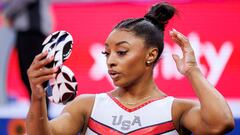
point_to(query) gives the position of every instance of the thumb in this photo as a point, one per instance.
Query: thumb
(176, 58)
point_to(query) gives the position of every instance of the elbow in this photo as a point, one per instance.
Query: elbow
(225, 122)
(228, 125)
(223, 127)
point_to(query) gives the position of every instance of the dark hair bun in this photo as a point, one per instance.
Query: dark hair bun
(159, 14)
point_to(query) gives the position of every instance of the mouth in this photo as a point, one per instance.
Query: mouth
(113, 74)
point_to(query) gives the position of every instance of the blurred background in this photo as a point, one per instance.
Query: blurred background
(212, 27)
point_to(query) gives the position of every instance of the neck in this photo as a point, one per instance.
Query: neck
(141, 88)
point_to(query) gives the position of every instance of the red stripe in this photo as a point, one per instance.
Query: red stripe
(101, 129)
(135, 108)
(155, 129)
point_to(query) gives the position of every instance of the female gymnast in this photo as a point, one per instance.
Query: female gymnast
(137, 105)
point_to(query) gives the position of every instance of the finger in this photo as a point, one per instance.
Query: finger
(181, 37)
(176, 58)
(43, 63)
(42, 79)
(40, 56)
(44, 71)
(33, 74)
(176, 40)
(181, 40)
(37, 58)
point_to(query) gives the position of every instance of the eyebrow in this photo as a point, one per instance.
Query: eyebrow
(119, 43)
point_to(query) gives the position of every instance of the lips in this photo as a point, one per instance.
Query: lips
(113, 74)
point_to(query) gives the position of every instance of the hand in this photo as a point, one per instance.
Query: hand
(188, 62)
(38, 73)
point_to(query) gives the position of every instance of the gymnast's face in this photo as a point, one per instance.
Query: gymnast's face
(125, 57)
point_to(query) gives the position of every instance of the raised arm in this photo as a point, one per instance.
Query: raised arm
(37, 120)
(73, 117)
(213, 115)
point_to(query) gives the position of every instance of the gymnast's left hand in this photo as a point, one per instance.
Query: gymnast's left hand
(188, 61)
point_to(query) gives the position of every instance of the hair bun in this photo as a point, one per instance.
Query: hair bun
(159, 14)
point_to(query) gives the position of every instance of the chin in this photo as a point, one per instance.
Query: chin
(120, 83)
(117, 84)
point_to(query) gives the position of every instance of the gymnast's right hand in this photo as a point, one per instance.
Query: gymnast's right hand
(38, 73)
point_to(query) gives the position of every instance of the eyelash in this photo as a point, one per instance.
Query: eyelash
(105, 53)
(120, 53)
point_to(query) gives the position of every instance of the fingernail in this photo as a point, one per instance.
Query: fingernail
(54, 75)
(174, 29)
(55, 69)
(178, 35)
(171, 32)
(51, 57)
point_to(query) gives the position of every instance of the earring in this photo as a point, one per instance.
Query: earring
(148, 62)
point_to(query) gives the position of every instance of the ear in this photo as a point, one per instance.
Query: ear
(151, 55)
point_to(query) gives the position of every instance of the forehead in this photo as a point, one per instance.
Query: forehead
(117, 36)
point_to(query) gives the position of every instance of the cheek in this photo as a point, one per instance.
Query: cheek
(134, 64)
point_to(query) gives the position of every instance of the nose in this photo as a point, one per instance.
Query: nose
(111, 61)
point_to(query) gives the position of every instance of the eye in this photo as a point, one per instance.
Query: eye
(105, 53)
(122, 53)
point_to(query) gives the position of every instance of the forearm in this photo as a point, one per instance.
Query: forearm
(37, 119)
(214, 109)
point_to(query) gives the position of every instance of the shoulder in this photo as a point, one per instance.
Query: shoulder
(81, 106)
(184, 104)
(74, 115)
(179, 108)
(82, 102)
(85, 98)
